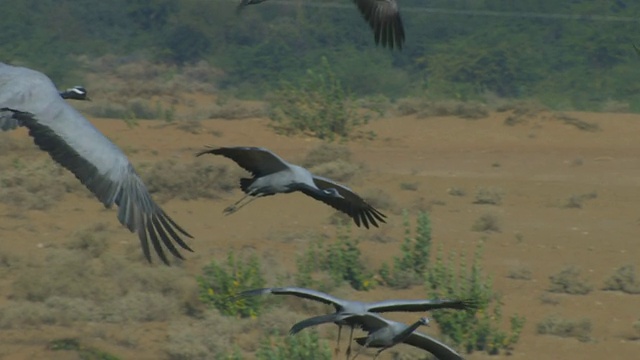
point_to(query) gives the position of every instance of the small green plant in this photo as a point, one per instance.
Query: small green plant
(623, 279)
(219, 283)
(409, 269)
(318, 104)
(568, 281)
(555, 325)
(304, 345)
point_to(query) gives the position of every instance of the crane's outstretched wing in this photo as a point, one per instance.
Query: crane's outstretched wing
(350, 203)
(384, 19)
(258, 161)
(314, 321)
(76, 144)
(299, 292)
(421, 305)
(430, 344)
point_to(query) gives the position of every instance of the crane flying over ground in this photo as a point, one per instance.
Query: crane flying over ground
(383, 16)
(272, 175)
(28, 98)
(384, 333)
(347, 310)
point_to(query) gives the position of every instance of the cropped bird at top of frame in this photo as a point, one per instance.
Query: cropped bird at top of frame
(383, 16)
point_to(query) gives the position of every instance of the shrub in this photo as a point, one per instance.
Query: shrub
(555, 325)
(456, 191)
(519, 273)
(218, 283)
(474, 330)
(341, 261)
(577, 201)
(409, 269)
(623, 279)
(318, 105)
(568, 281)
(304, 345)
(412, 186)
(488, 196)
(486, 223)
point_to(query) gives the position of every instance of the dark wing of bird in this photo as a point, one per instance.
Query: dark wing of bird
(76, 144)
(299, 292)
(369, 322)
(421, 305)
(313, 321)
(437, 348)
(350, 203)
(384, 19)
(257, 161)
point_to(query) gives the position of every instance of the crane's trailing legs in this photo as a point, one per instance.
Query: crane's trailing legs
(337, 350)
(235, 207)
(350, 341)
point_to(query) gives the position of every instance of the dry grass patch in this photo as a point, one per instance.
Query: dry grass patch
(486, 223)
(520, 272)
(205, 338)
(558, 326)
(168, 179)
(422, 108)
(569, 281)
(489, 196)
(35, 185)
(577, 201)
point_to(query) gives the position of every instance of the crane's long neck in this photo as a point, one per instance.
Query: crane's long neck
(408, 330)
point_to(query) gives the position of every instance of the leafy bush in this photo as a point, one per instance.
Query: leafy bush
(318, 104)
(568, 281)
(409, 269)
(304, 345)
(341, 261)
(474, 330)
(218, 283)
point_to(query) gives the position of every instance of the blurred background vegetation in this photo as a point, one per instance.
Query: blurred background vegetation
(567, 54)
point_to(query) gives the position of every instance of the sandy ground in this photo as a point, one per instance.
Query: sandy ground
(536, 165)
